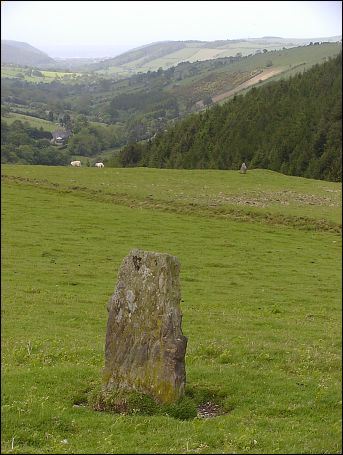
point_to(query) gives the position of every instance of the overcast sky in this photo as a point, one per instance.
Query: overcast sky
(107, 28)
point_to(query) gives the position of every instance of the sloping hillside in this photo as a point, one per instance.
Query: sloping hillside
(145, 53)
(140, 106)
(293, 126)
(177, 91)
(19, 53)
(166, 54)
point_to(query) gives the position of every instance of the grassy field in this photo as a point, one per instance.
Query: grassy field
(291, 57)
(38, 122)
(33, 121)
(47, 76)
(309, 55)
(261, 306)
(259, 195)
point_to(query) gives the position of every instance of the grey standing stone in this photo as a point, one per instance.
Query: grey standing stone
(145, 348)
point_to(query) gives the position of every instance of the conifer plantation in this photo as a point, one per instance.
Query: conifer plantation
(290, 126)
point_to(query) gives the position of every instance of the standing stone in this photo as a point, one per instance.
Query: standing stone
(243, 169)
(145, 347)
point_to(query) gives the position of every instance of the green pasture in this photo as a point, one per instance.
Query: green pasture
(172, 59)
(47, 76)
(118, 70)
(33, 121)
(290, 57)
(54, 74)
(287, 58)
(258, 195)
(247, 48)
(38, 122)
(181, 54)
(309, 55)
(261, 307)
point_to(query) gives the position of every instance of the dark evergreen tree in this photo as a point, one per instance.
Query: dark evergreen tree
(292, 126)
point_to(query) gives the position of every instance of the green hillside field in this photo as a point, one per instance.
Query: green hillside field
(34, 122)
(286, 62)
(260, 261)
(289, 56)
(12, 71)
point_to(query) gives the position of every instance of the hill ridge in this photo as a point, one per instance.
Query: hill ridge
(22, 53)
(226, 47)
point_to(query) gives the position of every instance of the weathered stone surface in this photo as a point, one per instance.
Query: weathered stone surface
(145, 347)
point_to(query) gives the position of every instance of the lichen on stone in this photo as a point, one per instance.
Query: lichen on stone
(145, 347)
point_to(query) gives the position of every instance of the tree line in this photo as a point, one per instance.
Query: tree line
(23, 144)
(291, 126)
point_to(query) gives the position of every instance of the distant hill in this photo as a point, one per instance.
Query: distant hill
(19, 53)
(291, 126)
(166, 54)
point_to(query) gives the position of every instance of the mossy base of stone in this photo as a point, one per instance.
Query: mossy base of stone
(148, 383)
(122, 402)
(137, 403)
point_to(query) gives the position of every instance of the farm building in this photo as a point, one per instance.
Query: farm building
(60, 137)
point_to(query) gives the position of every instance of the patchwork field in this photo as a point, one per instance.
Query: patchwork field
(261, 299)
(11, 71)
(280, 56)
